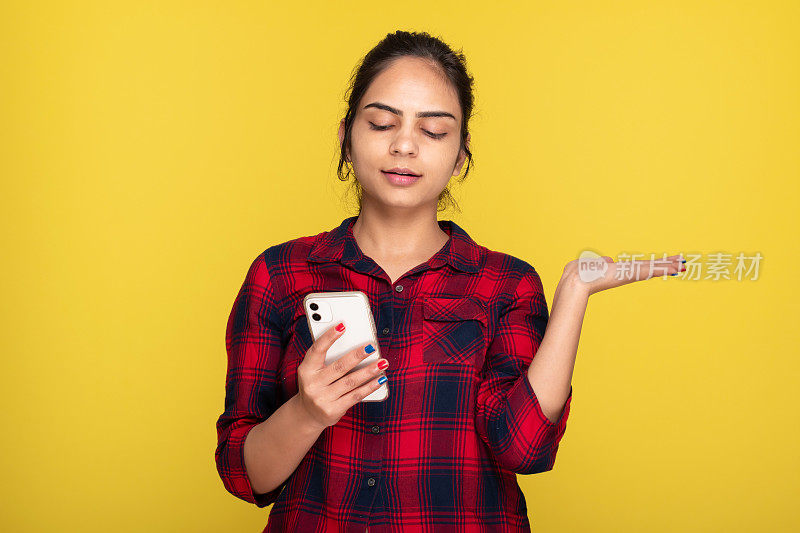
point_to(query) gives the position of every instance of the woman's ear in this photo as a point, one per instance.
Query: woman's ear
(341, 140)
(462, 156)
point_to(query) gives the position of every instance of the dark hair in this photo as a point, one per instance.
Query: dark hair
(390, 48)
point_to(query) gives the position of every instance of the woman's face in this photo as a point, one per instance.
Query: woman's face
(426, 145)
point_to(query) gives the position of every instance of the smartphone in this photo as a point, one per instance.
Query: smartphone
(326, 309)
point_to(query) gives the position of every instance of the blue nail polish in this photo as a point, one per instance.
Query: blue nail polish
(382, 380)
(683, 260)
(675, 274)
(369, 348)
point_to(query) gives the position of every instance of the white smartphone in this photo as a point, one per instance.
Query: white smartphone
(326, 309)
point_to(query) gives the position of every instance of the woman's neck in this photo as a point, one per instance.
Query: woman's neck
(398, 239)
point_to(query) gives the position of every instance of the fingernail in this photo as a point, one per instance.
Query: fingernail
(369, 348)
(383, 365)
(340, 326)
(382, 379)
(683, 260)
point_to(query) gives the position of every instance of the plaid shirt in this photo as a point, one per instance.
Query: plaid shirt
(461, 420)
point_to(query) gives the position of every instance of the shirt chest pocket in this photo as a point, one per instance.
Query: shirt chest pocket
(454, 331)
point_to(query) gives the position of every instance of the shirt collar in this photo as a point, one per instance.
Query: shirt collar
(339, 244)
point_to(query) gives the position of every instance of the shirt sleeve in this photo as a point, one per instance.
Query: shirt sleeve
(508, 417)
(252, 389)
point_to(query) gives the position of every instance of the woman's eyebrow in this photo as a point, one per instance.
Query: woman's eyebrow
(420, 114)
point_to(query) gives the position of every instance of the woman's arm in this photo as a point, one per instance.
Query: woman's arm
(550, 372)
(274, 448)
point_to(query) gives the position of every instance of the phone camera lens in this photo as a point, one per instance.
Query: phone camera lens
(316, 316)
(314, 307)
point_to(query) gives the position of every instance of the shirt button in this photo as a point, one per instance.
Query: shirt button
(371, 482)
(376, 429)
(385, 331)
(399, 288)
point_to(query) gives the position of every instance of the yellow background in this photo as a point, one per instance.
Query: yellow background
(150, 150)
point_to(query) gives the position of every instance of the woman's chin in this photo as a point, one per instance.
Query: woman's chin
(399, 200)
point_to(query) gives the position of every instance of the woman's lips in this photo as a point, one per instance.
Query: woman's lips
(400, 179)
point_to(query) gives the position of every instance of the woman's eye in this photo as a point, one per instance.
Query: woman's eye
(430, 133)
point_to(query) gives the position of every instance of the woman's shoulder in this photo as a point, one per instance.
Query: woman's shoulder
(506, 278)
(504, 264)
(281, 259)
(290, 251)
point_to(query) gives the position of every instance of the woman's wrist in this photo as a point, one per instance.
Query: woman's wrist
(571, 287)
(305, 423)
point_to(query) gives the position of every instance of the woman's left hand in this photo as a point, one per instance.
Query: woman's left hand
(591, 275)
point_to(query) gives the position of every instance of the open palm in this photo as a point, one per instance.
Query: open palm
(601, 273)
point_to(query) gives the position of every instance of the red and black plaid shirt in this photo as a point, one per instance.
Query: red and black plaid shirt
(459, 332)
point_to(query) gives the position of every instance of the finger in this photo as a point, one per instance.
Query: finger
(316, 354)
(678, 258)
(650, 269)
(358, 394)
(345, 363)
(669, 265)
(663, 259)
(350, 381)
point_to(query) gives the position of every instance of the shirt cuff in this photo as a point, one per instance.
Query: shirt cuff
(237, 482)
(522, 399)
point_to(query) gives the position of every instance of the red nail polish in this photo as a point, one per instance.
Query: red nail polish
(340, 327)
(383, 365)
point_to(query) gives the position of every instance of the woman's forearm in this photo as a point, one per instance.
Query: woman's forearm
(550, 373)
(274, 448)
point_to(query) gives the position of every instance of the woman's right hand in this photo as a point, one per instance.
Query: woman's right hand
(325, 392)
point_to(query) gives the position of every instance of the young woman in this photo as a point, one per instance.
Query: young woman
(458, 326)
